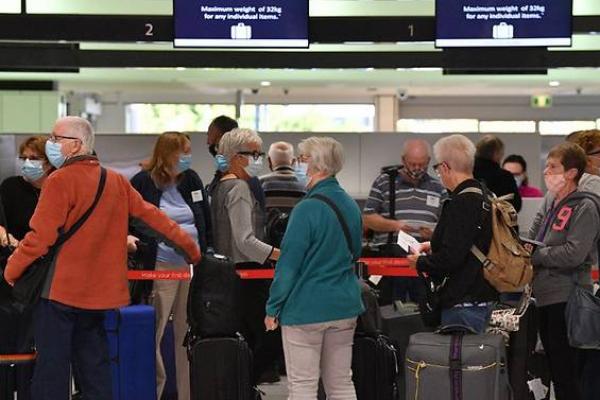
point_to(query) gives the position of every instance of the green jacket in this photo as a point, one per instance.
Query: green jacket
(314, 278)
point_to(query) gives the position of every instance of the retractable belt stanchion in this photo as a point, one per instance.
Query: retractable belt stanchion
(375, 266)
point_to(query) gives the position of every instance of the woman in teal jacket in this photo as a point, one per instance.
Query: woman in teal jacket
(315, 295)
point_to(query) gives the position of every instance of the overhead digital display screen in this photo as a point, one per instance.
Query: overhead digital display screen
(241, 23)
(503, 23)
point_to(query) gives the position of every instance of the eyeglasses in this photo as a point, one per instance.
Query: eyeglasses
(436, 166)
(594, 153)
(57, 138)
(255, 154)
(303, 158)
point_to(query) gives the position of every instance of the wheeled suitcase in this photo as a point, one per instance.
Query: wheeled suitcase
(375, 368)
(167, 349)
(398, 324)
(456, 367)
(132, 349)
(221, 369)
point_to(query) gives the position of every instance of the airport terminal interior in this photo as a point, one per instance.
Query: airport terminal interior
(375, 75)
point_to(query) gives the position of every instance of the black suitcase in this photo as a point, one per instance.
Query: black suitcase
(375, 368)
(221, 369)
(398, 324)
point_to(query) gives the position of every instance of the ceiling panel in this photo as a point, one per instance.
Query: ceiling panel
(317, 7)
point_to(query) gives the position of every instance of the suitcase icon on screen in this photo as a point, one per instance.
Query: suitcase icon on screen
(503, 31)
(241, 31)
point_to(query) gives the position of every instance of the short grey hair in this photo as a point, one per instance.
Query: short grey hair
(326, 153)
(80, 128)
(281, 153)
(457, 151)
(238, 140)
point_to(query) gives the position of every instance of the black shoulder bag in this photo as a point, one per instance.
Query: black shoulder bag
(369, 322)
(28, 288)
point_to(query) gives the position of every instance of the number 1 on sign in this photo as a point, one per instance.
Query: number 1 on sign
(411, 30)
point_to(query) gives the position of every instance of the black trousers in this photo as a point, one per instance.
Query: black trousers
(266, 346)
(563, 359)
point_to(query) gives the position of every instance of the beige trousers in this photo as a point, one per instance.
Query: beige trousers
(319, 350)
(170, 298)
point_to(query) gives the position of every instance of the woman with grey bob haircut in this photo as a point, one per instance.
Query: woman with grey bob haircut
(239, 234)
(315, 295)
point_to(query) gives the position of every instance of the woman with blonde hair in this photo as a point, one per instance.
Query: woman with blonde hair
(168, 182)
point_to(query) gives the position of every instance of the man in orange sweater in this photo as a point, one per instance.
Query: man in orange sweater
(89, 272)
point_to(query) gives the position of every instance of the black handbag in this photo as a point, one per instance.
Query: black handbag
(583, 319)
(429, 305)
(28, 288)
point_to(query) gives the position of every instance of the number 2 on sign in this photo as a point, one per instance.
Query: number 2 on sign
(149, 29)
(562, 218)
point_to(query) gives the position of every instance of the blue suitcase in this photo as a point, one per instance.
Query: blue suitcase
(132, 348)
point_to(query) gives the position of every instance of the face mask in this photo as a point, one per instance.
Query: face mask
(301, 171)
(415, 174)
(555, 183)
(519, 179)
(221, 163)
(32, 170)
(254, 167)
(212, 149)
(185, 163)
(54, 154)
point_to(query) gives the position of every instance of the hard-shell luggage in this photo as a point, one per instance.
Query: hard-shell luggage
(167, 349)
(221, 369)
(456, 367)
(132, 349)
(375, 368)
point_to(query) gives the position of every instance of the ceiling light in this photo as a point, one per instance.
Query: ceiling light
(369, 69)
(554, 83)
(180, 68)
(265, 83)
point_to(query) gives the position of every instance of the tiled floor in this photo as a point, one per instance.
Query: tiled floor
(275, 391)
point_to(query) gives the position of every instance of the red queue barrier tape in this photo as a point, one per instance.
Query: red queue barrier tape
(10, 359)
(148, 275)
(375, 266)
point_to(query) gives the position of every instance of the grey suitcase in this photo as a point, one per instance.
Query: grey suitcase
(456, 367)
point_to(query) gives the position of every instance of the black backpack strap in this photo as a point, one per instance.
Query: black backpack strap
(340, 218)
(392, 174)
(66, 236)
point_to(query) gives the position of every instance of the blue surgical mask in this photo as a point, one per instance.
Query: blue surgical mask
(254, 167)
(221, 163)
(301, 170)
(32, 170)
(54, 154)
(185, 163)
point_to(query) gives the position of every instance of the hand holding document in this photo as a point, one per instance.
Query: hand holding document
(408, 243)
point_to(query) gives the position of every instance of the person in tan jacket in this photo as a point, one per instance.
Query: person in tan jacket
(89, 272)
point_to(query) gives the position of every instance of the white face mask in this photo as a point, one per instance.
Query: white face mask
(254, 167)
(519, 179)
(555, 183)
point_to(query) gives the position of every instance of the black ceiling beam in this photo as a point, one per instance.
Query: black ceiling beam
(152, 28)
(31, 57)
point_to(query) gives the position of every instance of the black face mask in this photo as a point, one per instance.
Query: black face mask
(212, 149)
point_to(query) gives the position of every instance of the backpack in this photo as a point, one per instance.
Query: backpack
(213, 308)
(507, 266)
(277, 222)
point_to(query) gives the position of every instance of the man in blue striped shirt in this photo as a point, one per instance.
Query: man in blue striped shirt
(418, 205)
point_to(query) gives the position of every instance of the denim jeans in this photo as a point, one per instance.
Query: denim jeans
(474, 317)
(67, 336)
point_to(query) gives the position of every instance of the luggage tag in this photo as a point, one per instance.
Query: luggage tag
(537, 387)
(197, 196)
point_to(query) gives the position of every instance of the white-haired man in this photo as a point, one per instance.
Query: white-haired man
(88, 274)
(416, 203)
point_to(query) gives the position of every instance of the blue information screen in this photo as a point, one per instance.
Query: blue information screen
(241, 23)
(503, 23)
